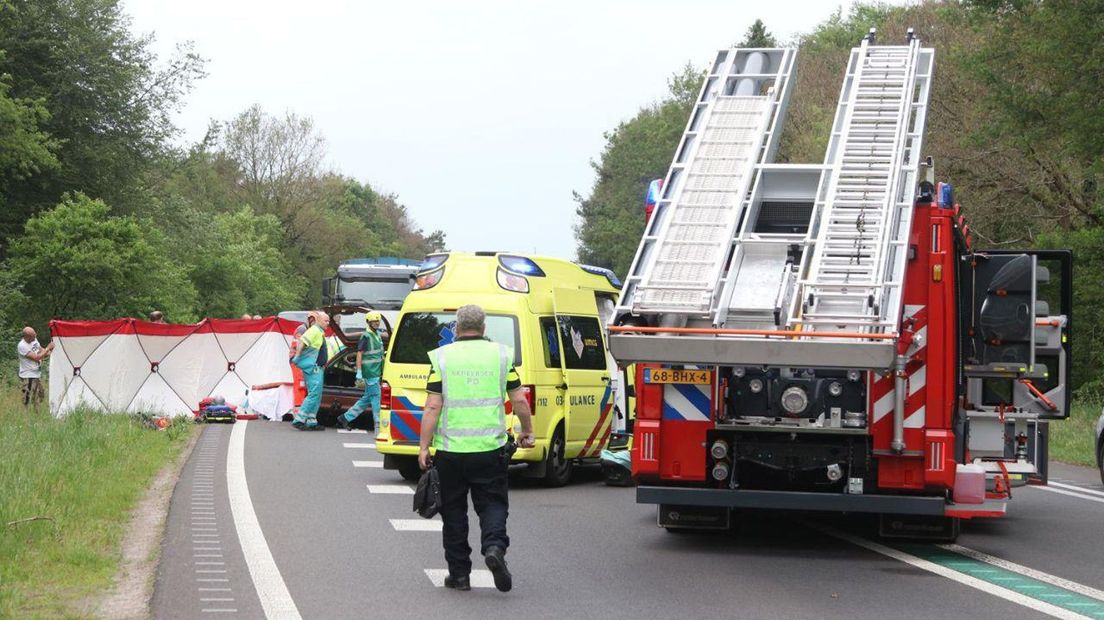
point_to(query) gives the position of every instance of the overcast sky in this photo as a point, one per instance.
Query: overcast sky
(482, 116)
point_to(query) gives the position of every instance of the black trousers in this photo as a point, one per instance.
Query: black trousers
(484, 474)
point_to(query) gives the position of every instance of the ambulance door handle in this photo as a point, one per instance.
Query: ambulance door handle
(605, 379)
(562, 386)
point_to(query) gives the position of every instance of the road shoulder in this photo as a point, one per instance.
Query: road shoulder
(132, 592)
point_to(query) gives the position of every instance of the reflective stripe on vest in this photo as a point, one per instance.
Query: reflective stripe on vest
(473, 388)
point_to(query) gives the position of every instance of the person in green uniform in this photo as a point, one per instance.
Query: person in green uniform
(311, 359)
(369, 363)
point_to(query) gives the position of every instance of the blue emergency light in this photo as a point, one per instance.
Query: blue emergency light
(520, 264)
(946, 196)
(602, 271)
(432, 262)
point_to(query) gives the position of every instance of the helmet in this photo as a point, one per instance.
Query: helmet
(372, 316)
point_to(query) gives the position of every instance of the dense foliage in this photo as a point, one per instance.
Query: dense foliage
(102, 214)
(1014, 124)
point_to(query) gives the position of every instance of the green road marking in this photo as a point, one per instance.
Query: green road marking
(1038, 590)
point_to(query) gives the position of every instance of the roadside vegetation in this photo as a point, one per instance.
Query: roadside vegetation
(1071, 440)
(67, 488)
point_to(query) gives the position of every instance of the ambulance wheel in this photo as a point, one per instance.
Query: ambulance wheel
(409, 470)
(557, 467)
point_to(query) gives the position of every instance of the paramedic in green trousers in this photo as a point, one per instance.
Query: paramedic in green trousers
(465, 420)
(311, 359)
(369, 364)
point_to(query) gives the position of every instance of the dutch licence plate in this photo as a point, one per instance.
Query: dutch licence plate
(669, 375)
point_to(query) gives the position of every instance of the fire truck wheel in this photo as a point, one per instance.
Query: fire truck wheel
(557, 467)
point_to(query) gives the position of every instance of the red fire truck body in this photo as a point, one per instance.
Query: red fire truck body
(829, 340)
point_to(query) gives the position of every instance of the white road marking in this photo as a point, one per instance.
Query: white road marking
(393, 489)
(212, 571)
(949, 573)
(375, 464)
(216, 600)
(270, 586)
(416, 525)
(220, 611)
(1071, 487)
(210, 563)
(1037, 575)
(480, 578)
(359, 445)
(214, 589)
(212, 579)
(352, 431)
(1088, 498)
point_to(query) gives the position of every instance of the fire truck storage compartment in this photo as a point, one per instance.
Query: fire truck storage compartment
(794, 461)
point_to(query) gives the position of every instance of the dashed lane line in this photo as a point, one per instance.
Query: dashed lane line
(372, 464)
(416, 525)
(270, 586)
(359, 445)
(390, 489)
(480, 578)
(352, 431)
(965, 571)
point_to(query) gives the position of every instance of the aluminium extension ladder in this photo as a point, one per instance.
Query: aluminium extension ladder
(734, 127)
(855, 269)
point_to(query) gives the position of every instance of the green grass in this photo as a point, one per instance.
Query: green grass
(1072, 440)
(86, 473)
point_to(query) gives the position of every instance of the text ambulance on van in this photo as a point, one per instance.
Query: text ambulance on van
(547, 310)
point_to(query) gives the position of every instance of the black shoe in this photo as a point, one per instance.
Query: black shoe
(342, 422)
(458, 583)
(315, 427)
(497, 563)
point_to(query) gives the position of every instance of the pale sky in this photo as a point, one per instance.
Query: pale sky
(483, 116)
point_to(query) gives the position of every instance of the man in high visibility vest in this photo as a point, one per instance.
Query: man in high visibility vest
(465, 419)
(369, 364)
(311, 359)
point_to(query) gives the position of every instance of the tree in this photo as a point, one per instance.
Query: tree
(611, 218)
(109, 100)
(239, 267)
(757, 36)
(77, 261)
(25, 150)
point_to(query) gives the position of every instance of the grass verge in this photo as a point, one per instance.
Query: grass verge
(82, 475)
(1071, 440)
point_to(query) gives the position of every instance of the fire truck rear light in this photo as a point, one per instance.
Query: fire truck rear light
(720, 471)
(719, 450)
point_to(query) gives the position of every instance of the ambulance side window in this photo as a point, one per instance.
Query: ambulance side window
(551, 343)
(582, 341)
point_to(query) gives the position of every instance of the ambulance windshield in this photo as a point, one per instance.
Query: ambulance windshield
(421, 332)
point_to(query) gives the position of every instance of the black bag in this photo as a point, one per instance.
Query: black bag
(427, 497)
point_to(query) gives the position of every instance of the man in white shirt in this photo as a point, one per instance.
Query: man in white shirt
(31, 354)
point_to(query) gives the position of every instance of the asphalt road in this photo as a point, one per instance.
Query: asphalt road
(336, 534)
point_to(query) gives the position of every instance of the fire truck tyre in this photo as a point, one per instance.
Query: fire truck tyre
(557, 467)
(409, 470)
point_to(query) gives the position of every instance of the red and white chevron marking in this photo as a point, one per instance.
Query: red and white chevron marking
(881, 388)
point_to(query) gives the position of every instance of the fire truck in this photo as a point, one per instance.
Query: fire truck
(826, 337)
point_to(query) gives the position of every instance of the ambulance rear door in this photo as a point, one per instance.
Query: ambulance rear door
(588, 402)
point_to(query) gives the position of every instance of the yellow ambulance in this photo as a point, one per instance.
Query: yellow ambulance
(552, 312)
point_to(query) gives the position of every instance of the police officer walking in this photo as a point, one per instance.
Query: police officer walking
(465, 419)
